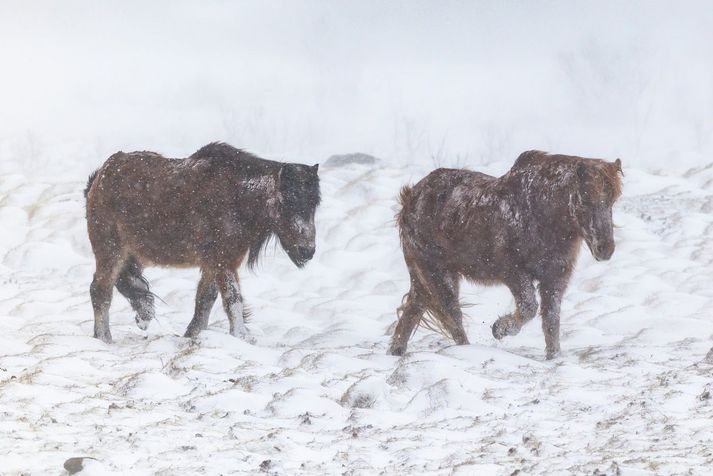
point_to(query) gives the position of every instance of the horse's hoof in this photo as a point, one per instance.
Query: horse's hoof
(249, 339)
(396, 350)
(552, 354)
(505, 326)
(104, 337)
(499, 330)
(462, 340)
(142, 324)
(245, 335)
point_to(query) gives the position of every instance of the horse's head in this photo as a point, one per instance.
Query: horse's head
(297, 200)
(598, 187)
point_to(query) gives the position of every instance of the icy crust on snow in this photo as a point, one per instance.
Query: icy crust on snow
(318, 395)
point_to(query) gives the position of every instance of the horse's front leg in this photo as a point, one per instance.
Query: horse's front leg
(206, 295)
(233, 304)
(409, 315)
(526, 308)
(101, 293)
(551, 296)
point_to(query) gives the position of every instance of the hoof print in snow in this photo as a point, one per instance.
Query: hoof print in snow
(363, 401)
(363, 394)
(305, 419)
(532, 443)
(709, 357)
(356, 399)
(612, 471)
(266, 465)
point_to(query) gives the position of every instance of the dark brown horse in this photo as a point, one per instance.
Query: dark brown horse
(521, 228)
(210, 210)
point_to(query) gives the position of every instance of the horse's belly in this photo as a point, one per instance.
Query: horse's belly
(479, 269)
(483, 260)
(162, 246)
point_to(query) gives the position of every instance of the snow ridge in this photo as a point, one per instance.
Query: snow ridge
(317, 393)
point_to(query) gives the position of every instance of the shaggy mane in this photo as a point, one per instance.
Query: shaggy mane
(610, 172)
(257, 248)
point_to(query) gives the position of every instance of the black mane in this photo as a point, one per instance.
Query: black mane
(257, 247)
(219, 151)
(90, 180)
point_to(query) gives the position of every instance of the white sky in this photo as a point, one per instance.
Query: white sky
(467, 82)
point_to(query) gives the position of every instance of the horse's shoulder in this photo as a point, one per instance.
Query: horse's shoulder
(528, 158)
(457, 175)
(215, 150)
(221, 155)
(117, 162)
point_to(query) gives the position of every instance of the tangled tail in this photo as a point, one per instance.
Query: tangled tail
(90, 181)
(435, 318)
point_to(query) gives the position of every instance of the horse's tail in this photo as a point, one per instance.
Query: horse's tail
(405, 199)
(435, 317)
(90, 181)
(404, 220)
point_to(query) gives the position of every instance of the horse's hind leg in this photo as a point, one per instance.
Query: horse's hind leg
(101, 291)
(551, 295)
(432, 290)
(229, 287)
(134, 287)
(443, 289)
(206, 295)
(526, 308)
(410, 314)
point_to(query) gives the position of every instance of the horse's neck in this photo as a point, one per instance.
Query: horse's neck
(545, 207)
(253, 196)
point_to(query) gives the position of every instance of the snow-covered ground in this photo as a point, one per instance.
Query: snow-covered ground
(317, 393)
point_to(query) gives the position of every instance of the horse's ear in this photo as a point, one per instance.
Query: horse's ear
(315, 167)
(617, 166)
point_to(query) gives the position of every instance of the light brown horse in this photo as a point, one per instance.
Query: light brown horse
(521, 228)
(210, 210)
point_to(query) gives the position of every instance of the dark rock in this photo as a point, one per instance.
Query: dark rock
(74, 465)
(340, 160)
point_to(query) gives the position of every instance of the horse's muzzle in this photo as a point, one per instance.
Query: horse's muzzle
(603, 252)
(141, 323)
(305, 253)
(300, 255)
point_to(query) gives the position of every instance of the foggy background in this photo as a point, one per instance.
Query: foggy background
(449, 83)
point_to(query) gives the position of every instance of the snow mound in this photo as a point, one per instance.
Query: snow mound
(317, 394)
